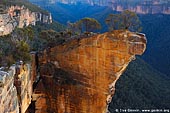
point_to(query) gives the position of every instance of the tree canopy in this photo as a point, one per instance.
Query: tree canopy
(88, 24)
(16, 46)
(84, 25)
(126, 20)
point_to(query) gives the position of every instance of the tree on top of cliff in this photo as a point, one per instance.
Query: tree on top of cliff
(51, 38)
(84, 25)
(22, 52)
(72, 28)
(13, 50)
(88, 25)
(113, 21)
(126, 20)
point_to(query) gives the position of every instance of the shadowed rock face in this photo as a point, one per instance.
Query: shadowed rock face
(79, 76)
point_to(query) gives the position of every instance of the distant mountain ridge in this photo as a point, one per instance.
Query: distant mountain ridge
(138, 6)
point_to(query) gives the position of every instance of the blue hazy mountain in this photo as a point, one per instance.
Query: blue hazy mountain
(138, 6)
(102, 2)
(66, 12)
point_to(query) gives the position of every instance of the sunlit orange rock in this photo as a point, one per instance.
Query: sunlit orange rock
(80, 75)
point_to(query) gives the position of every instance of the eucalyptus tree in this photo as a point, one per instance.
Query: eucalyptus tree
(88, 25)
(126, 20)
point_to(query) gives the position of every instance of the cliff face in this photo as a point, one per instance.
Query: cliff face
(8, 92)
(16, 88)
(21, 17)
(143, 8)
(83, 72)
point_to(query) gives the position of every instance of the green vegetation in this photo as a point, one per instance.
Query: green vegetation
(24, 35)
(84, 25)
(51, 38)
(22, 51)
(141, 87)
(6, 51)
(26, 3)
(157, 27)
(53, 26)
(88, 24)
(15, 46)
(125, 20)
(20, 42)
(18, 45)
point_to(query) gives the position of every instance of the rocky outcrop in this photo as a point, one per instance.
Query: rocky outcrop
(20, 16)
(16, 87)
(23, 83)
(79, 76)
(7, 24)
(8, 92)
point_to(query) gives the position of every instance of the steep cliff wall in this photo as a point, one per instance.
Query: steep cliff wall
(16, 88)
(83, 72)
(20, 16)
(143, 8)
(23, 82)
(8, 92)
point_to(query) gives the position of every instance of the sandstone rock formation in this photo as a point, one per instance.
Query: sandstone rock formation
(7, 24)
(16, 88)
(142, 7)
(79, 76)
(8, 92)
(23, 82)
(20, 16)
